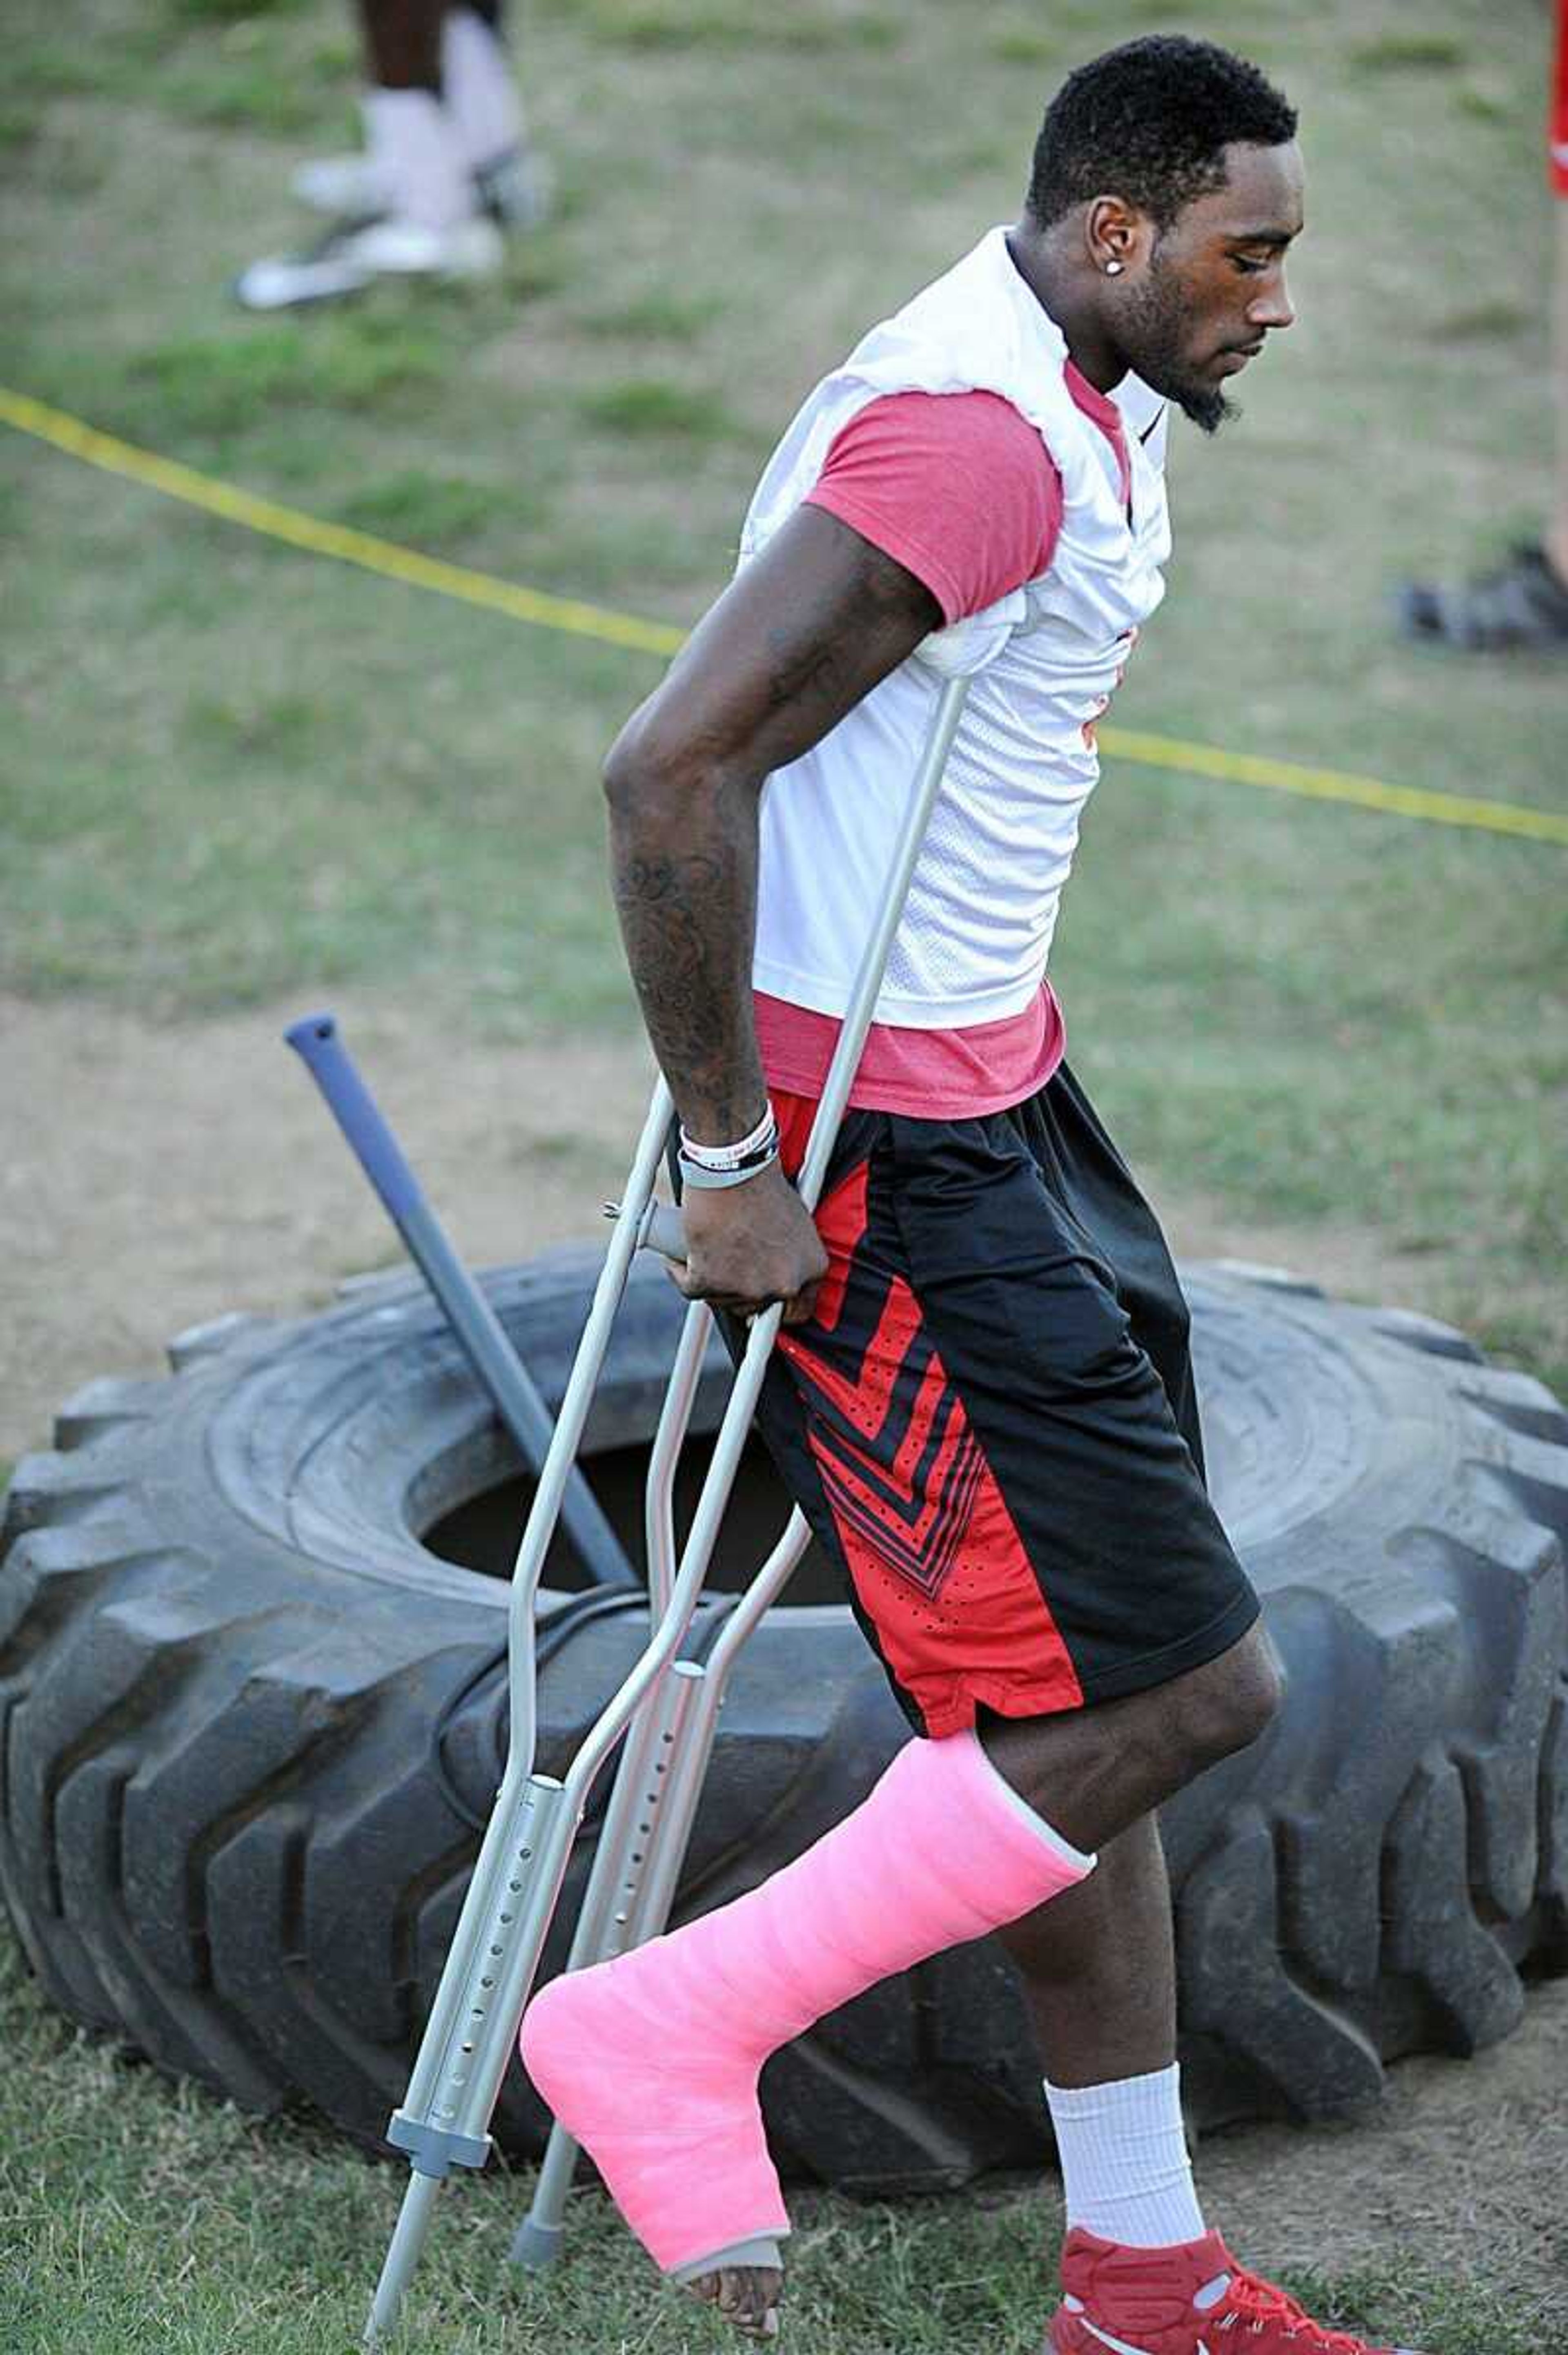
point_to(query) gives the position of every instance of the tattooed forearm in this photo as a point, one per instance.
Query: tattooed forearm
(807, 629)
(688, 920)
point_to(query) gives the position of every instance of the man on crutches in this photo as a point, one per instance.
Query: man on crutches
(982, 1397)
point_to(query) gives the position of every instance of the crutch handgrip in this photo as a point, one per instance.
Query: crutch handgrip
(660, 1229)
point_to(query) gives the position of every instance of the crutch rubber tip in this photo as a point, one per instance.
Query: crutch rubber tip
(535, 2246)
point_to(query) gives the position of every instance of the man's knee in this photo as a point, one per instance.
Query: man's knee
(1093, 1772)
(1229, 1704)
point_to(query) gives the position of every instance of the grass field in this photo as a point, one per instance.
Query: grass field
(231, 771)
(138, 2217)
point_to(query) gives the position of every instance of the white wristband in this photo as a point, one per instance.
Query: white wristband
(692, 1173)
(724, 1157)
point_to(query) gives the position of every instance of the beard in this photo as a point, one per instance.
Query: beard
(1152, 343)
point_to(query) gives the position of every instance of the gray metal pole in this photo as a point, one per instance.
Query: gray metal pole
(319, 1044)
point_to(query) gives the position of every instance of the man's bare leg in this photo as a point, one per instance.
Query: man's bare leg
(1093, 1773)
(402, 44)
(1098, 1966)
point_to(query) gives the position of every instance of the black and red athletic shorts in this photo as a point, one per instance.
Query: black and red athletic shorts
(991, 1420)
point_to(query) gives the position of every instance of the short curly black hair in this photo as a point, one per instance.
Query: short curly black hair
(1150, 122)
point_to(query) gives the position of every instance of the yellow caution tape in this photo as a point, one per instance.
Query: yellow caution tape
(1334, 785)
(301, 530)
(570, 614)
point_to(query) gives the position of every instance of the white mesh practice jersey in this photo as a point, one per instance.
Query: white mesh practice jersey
(1044, 661)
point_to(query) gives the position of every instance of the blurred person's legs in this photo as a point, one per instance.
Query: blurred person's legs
(415, 160)
(443, 157)
(457, 55)
(1523, 604)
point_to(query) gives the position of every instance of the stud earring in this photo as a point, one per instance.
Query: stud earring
(1113, 268)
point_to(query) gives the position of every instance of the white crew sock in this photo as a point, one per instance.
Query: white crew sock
(477, 89)
(1124, 2167)
(416, 153)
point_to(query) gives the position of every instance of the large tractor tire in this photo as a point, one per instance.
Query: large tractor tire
(253, 1702)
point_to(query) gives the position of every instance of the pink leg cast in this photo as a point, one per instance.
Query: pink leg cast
(651, 2061)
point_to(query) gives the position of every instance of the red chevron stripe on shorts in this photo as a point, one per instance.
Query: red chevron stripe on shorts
(925, 1532)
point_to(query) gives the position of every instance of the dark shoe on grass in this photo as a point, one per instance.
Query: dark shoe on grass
(1521, 608)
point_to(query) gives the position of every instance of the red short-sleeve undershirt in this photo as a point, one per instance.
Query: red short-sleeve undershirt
(957, 487)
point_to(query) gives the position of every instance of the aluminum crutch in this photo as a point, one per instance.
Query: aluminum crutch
(522, 1862)
(647, 1828)
(644, 1843)
(318, 1042)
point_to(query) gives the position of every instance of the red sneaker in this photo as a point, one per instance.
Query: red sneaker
(1193, 2299)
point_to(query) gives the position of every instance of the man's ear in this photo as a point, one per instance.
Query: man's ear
(1116, 236)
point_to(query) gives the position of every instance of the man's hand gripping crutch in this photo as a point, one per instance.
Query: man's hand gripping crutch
(801, 636)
